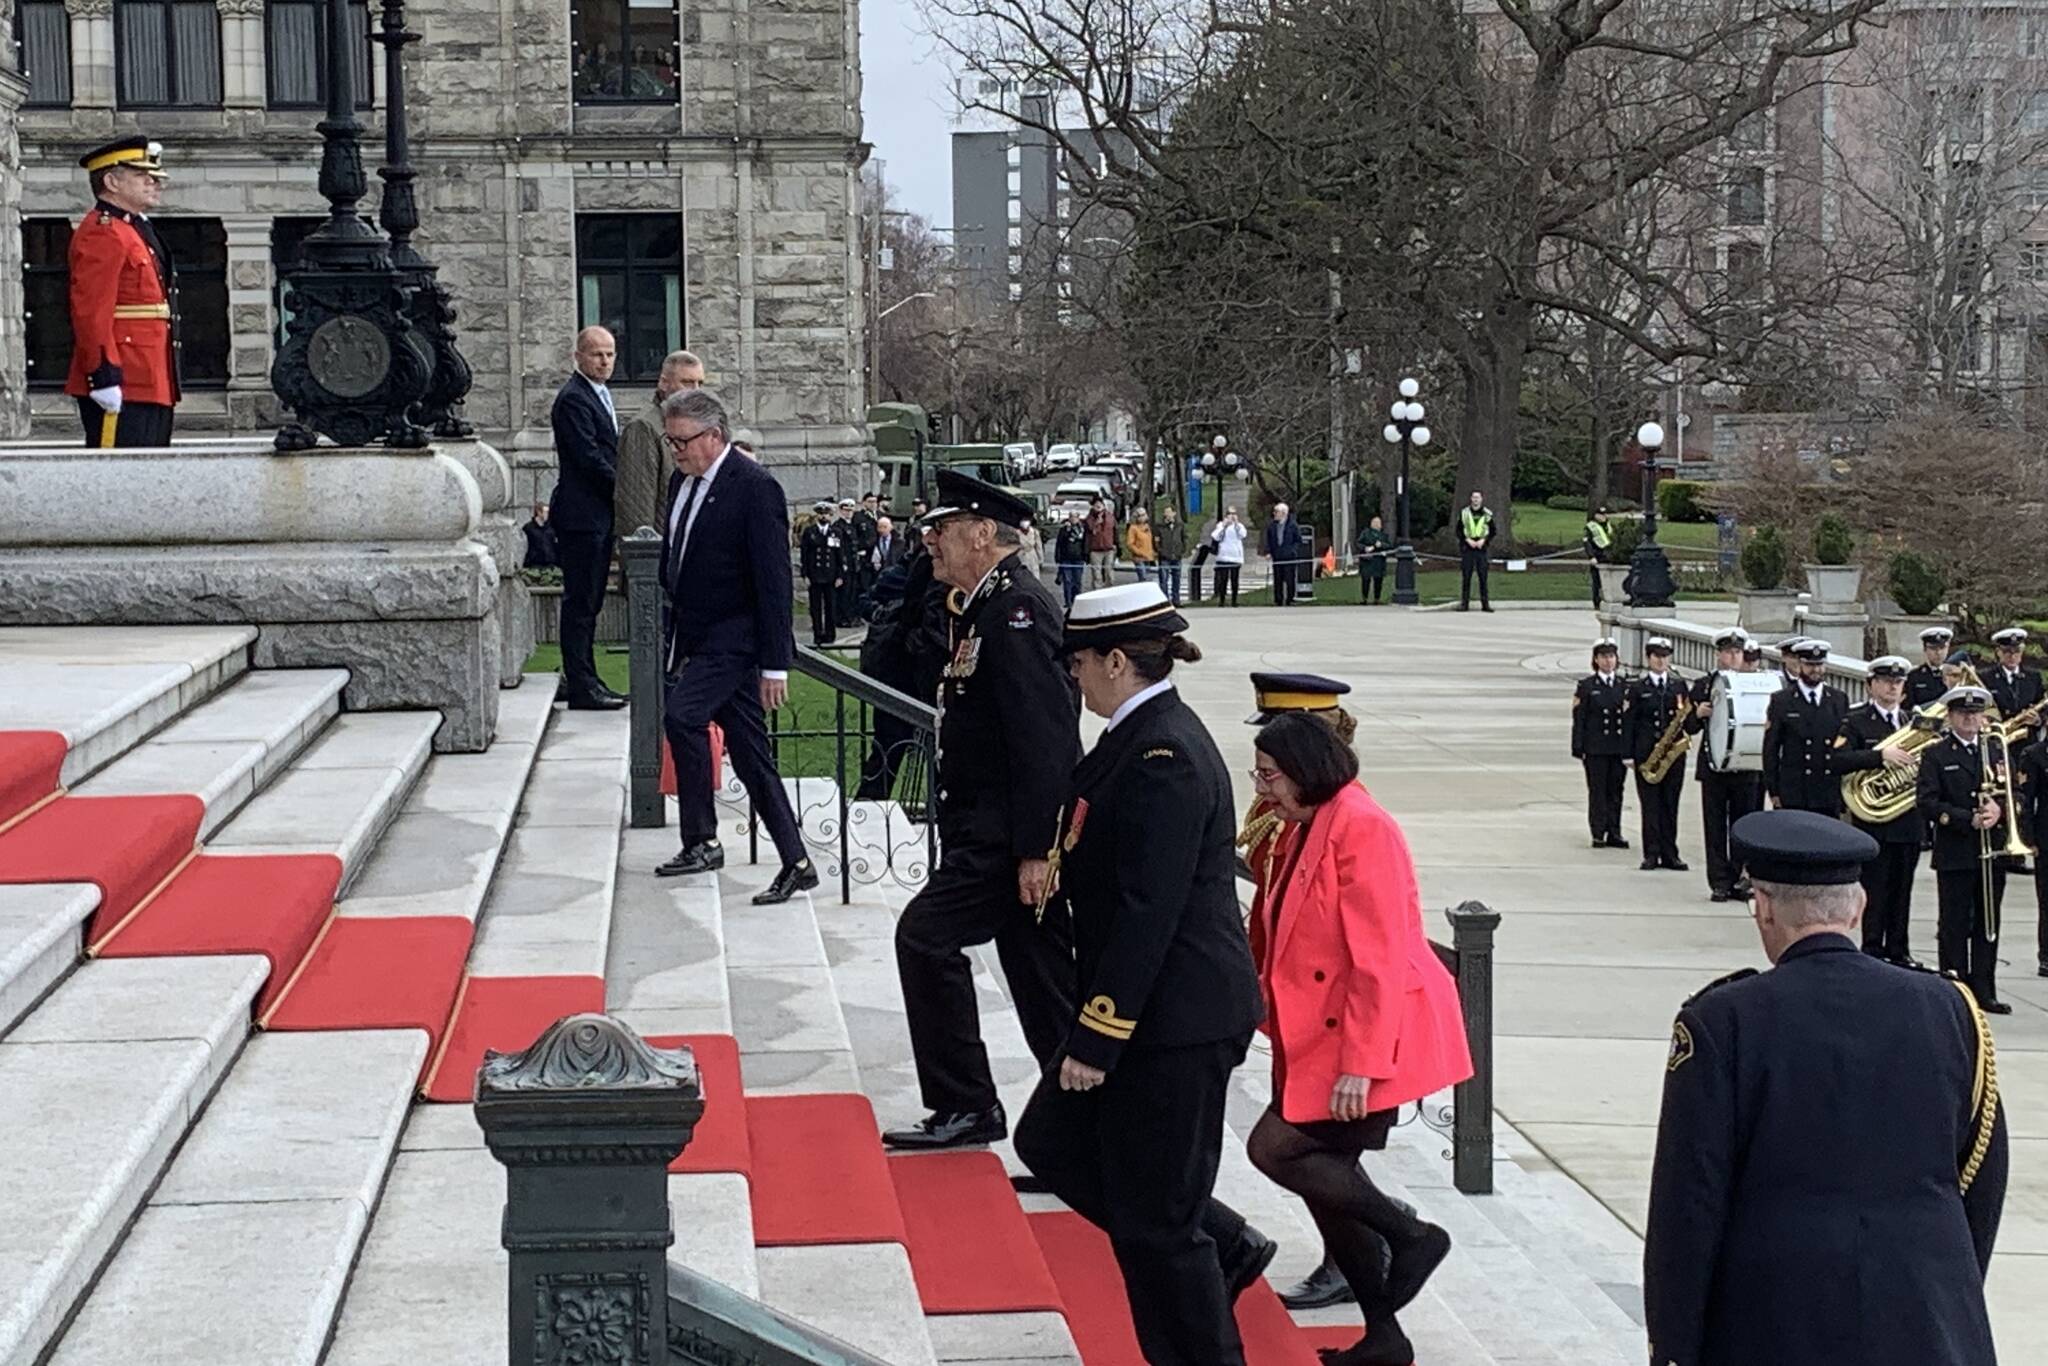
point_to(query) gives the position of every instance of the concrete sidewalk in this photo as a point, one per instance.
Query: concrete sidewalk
(1464, 736)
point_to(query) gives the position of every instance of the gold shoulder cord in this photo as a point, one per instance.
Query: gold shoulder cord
(1983, 1091)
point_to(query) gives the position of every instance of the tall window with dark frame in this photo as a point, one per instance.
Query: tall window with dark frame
(167, 54)
(295, 53)
(1746, 198)
(198, 248)
(42, 49)
(629, 279)
(624, 51)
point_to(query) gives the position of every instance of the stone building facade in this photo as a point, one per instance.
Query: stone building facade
(687, 176)
(13, 326)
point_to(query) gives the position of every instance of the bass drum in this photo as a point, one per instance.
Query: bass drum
(1735, 726)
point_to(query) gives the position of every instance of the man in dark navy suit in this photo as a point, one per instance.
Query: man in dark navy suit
(1831, 1157)
(725, 562)
(587, 455)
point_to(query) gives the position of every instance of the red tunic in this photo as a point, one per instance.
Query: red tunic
(120, 312)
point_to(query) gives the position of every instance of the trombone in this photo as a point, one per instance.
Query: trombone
(2002, 839)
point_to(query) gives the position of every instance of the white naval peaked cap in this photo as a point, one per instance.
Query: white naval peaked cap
(1606, 643)
(1890, 666)
(1934, 633)
(2011, 635)
(1119, 603)
(1658, 643)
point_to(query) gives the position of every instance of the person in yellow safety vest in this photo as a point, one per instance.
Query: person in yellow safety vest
(1598, 539)
(1475, 533)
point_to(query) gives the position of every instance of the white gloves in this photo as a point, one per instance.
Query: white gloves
(108, 398)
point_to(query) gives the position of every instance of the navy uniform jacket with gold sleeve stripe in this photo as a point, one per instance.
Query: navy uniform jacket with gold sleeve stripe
(1148, 867)
(1807, 1204)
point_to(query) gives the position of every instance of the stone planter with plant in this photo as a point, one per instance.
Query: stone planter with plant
(1764, 604)
(1833, 577)
(1918, 588)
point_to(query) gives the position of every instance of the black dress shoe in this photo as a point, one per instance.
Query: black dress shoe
(1024, 1183)
(794, 878)
(1720, 895)
(707, 856)
(608, 701)
(605, 690)
(1248, 1261)
(1412, 1265)
(2041, 970)
(1617, 842)
(1997, 1008)
(1678, 865)
(1649, 865)
(957, 1130)
(1319, 1289)
(1384, 1344)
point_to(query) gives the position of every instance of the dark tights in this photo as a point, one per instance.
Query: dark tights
(1361, 1224)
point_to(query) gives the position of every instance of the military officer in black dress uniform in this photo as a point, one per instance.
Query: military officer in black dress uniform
(1800, 726)
(1953, 803)
(1725, 798)
(1653, 699)
(1926, 683)
(1863, 744)
(2031, 786)
(1831, 1159)
(1008, 737)
(1600, 741)
(819, 555)
(1128, 1127)
(2014, 687)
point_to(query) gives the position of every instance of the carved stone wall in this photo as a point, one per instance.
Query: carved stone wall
(760, 158)
(13, 355)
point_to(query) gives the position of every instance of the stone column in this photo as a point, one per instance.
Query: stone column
(586, 1122)
(252, 316)
(244, 78)
(92, 53)
(13, 329)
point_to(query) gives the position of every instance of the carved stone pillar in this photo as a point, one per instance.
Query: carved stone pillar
(586, 1122)
(242, 73)
(92, 53)
(13, 327)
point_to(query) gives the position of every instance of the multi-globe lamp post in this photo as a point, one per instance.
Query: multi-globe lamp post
(1407, 432)
(1649, 582)
(1219, 463)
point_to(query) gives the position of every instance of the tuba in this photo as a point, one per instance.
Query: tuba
(1878, 795)
(1669, 751)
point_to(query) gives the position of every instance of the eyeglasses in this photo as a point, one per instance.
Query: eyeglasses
(682, 443)
(1265, 777)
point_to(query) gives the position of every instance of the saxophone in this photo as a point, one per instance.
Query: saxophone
(1671, 746)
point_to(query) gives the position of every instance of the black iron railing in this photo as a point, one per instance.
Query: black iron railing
(1470, 960)
(860, 757)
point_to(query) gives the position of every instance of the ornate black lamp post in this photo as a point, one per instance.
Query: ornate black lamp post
(352, 365)
(1407, 432)
(1649, 582)
(432, 309)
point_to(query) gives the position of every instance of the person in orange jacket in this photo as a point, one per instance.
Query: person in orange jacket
(124, 366)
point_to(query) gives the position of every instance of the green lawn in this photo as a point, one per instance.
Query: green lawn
(1563, 527)
(1441, 585)
(811, 710)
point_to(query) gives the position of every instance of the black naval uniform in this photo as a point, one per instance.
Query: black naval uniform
(1651, 706)
(1725, 798)
(1600, 743)
(1888, 878)
(1170, 999)
(1924, 685)
(2031, 784)
(1806, 1205)
(819, 555)
(1798, 736)
(1950, 777)
(1008, 739)
(2015, 693)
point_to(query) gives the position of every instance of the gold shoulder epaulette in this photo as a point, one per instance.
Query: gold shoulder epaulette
(1983, 1090)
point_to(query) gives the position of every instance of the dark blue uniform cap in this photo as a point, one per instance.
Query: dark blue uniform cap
(964, 495)
(1803, 848)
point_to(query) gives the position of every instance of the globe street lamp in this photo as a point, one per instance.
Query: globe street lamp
(1649, 582)
(1407, 432)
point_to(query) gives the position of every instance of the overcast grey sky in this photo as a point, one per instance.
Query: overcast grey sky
(906, 104)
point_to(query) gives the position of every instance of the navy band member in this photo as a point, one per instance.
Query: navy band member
(1128, 1128)
(124, 330)
(2015, 688)
(819, 553)
(1725, 798)
(1008, 738)
(1863, 744)
(1926, 683)
(1831, 1158)
(1653, 700)
(1800, 727)
(2031, 786)
(1953, 802)
(1600, 742)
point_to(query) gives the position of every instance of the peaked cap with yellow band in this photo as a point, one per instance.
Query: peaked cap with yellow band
(137, 152)
(1279, 694)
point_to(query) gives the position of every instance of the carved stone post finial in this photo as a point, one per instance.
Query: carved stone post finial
(586, 1122)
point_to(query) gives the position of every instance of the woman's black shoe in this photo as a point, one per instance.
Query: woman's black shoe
(1413, 1262)
(1384, 1344)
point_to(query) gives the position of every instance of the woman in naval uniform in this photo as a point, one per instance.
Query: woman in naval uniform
(1127, 1125)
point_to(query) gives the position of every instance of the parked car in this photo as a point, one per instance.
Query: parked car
(1083, 491)
(1023, 457)
(1064, 456)
(1118, 481)
(1129, 470)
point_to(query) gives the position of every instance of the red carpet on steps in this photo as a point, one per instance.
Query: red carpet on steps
(819, 1172)
(272, 904)
(126, 845)
(504, 1014)
(1099, 1316)
(970, 1245)
(31, 761)
(376, 973)
(720, 1142)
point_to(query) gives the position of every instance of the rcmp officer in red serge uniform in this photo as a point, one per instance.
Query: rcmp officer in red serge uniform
(1831, 1157)
(1009, 736)
(1127, 1127)
(124, 361)
(1800, 726)
(1887, 878)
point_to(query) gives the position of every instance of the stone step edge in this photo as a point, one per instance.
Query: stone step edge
(208, 676)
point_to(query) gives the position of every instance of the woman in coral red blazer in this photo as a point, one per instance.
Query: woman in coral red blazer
(1363, 1019)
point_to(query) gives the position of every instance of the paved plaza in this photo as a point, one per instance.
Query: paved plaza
(1463, 736)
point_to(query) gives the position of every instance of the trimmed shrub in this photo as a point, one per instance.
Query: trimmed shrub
(1678, 500)
(1627, 534)
(1915, 583)
(1763, 559)
(1566, 502)
(1832, 543)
